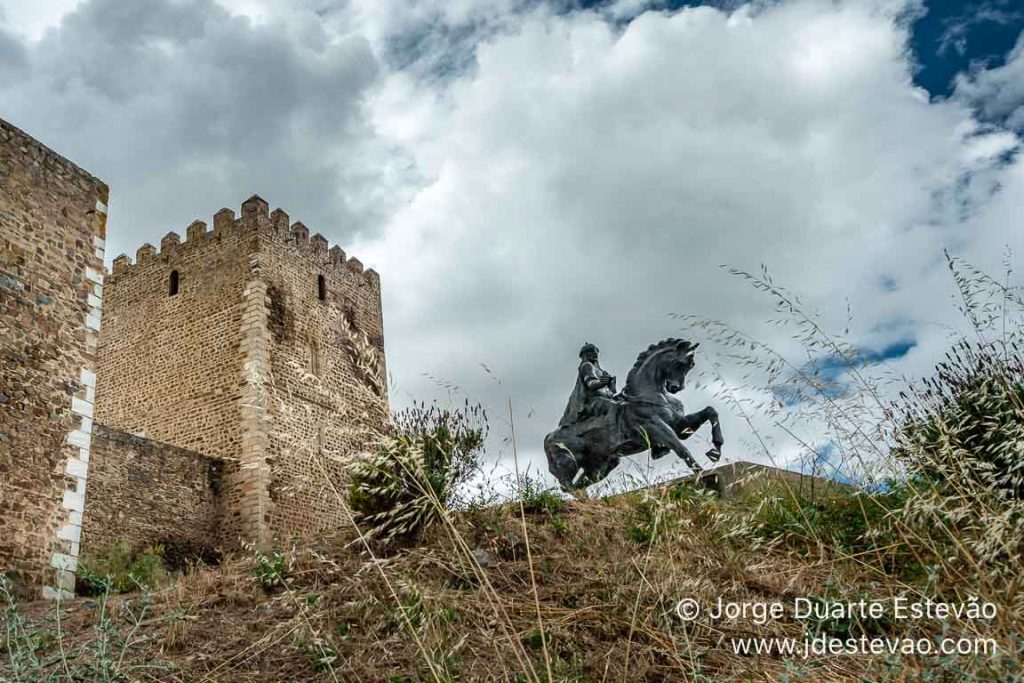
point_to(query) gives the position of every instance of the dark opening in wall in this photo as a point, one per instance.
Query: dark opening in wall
(321, 287)
(173, 288)
(280, 320)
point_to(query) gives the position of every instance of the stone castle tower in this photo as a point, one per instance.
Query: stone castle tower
(253, 346)
(203, 396)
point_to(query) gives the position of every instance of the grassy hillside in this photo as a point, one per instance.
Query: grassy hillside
(558, 590)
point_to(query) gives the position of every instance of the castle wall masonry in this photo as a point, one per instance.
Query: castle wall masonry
(148, 493)
(235, 343)
(216, 384)
(52, 229)
(169, 366)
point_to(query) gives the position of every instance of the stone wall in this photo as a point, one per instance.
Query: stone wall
(146, 493)
(225, 364)
(52, 226)
(325, 406)
(169, 365)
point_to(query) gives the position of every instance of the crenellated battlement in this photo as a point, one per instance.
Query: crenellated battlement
(255, 214)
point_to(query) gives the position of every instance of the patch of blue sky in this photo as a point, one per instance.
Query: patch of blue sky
(946, 37)
(833, 366)
(566, 6)
(828, 373)
(953, 36)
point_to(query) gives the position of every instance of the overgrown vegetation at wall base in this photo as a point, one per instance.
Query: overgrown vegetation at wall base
(850, 522)
(121, 570)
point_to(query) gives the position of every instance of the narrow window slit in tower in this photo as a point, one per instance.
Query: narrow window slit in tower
(321, 287)
(173, 283)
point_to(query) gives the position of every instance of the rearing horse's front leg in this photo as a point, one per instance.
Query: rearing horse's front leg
(660, 432)
(694, 421)
(716, 436)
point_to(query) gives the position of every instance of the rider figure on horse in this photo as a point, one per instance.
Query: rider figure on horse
(594, 393)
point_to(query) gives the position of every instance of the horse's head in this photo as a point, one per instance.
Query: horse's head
(674, 364)
(661, 368)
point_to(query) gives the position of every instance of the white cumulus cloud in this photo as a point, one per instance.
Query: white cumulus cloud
(527, 177)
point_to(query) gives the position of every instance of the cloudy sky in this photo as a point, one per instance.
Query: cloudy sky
(530, 175)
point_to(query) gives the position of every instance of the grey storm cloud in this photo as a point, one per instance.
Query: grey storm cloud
(12, 57)
(183, 107)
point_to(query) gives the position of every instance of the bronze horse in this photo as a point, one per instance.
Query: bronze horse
(645, 415)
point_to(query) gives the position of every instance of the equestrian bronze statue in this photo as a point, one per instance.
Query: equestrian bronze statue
(600, 426)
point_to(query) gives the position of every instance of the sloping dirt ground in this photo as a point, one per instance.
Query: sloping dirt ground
(581, 594)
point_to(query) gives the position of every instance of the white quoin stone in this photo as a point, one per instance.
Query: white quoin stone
(81, 407)
(73, 500)
(64, 562)
(79, 438)
(77, 468)
(70, 532)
